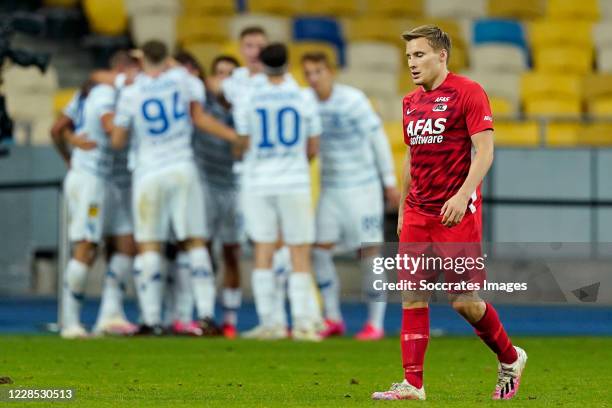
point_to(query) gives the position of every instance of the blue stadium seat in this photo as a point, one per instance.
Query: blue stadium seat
(320, 29)
(499, 31)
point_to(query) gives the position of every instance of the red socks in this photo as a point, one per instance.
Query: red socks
(491, 331)
(414, 339)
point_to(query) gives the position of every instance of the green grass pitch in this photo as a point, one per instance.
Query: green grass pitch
(173, 372)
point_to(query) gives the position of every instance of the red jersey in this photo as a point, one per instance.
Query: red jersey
(438, 126)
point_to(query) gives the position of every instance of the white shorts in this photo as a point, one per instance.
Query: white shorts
(349, 217)
(118, 214)
(290, 214)
(222, 213)
(85, 193)
(170, 197)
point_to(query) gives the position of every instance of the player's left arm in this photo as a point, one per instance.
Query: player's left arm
(479, 122)
(209, 124)
(122, 120)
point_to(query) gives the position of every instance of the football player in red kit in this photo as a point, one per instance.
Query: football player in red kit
(444, 118)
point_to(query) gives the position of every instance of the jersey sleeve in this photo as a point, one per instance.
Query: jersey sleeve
(363, 115)
(196, 90)
(241, 116)
(477, 110)
(126, 109)
(72, 109)
(105, 99)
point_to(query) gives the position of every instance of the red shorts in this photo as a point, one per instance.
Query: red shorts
(456, 251)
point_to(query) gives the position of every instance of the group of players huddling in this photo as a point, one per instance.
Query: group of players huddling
(163, 161)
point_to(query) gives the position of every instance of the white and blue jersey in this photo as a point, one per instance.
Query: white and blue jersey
(156, 110)
(86, 114)
(354, 149)
(279, 119)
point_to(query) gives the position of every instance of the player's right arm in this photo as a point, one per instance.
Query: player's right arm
(405, 188)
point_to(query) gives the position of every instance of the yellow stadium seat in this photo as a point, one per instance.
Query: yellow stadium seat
(572, 9)
(395, 133)
(194, 28)
(61, 3)
(563, 134)
(296, 50)
(398, 161)
(395, 8)
(600, 108)
(538, 84)
(515, 134)
(405, 83)
(516, 9)
(377, 29)
(458, 59)
(553, 107)
(208, 7)
(284, 7)
(107, 17)
(298, 75)
(61, 99)
(564, 59)
(205, 53)
(502, 107)
(548, 33)
(232, 48)
(330, 7)
(597, 85)
(597, 134)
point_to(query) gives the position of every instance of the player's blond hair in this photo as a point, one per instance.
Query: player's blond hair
(436, 37)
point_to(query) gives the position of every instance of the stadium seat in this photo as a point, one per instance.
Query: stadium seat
(208, 7)
(604, 60)
(205, 53)
(516, 9)
(284, 7)
(61, 3)
(455, 9)
(375, 56)
(547, 33)
(277, 28)
(602, 35)
(168, 7)
(537, 84)
(336, 8)
(377, 29)
(380, 84)
(573, 10)
(298, 49)
(320, 29)
(61, 98)
(503, 108)
(498, 58)
(398, 162)
(390, 108)
(404, 81)
(232, 48)
(564, 59)
(517, 134)
(600, 108)
(395, 8)
(153, 26)
(106, 17)
(504, 85)
(553, 107)
(597, 134)
(201, 28)
(597, 92)
(395, 133)
(563, 134)
(458, 59)
(499, 32)
(298, 75)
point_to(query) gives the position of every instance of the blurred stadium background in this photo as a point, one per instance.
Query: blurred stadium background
(546, 66)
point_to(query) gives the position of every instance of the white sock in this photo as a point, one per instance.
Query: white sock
(73, 292)
(328, 282)
(264, 294)
(111, 304)
(183, 296)
(202, 282)
(377, 299)
(150, 284)
(281, 265)
(169, 302)
(301, 292)
(232, 298)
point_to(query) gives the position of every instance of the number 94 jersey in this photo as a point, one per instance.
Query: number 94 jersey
(278, 119)
(156, 111)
